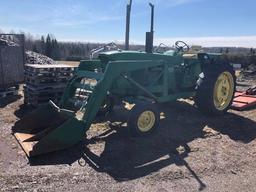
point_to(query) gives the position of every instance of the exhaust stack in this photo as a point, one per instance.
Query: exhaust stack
(128, 18)
(150, 35)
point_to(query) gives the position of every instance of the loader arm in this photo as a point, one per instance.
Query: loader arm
(114, 69)
(52, 128)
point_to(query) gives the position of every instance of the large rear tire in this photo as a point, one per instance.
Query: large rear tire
(215, 89)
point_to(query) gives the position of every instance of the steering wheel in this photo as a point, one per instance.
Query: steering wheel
(181, 46)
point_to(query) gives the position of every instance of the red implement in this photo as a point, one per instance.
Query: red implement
(242, 101)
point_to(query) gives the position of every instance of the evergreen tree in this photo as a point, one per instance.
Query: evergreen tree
(35, 48)
(42, 45)
(87, 53)
(55, 50)
(252, 52)
(48, 46)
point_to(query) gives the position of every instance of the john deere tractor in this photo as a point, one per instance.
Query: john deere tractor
(141, 78)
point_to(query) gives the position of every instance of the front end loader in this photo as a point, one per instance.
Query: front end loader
(141, 78)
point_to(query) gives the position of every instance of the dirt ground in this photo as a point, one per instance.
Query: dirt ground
(190, 152)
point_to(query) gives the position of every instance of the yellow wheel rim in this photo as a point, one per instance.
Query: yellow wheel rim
(146, 121)
(223, 90)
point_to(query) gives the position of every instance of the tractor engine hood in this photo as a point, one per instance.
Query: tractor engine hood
(130, 55)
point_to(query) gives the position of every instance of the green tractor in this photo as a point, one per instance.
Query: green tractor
(140, 78)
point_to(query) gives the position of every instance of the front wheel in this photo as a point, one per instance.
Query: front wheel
(144, 119)
(215, 91)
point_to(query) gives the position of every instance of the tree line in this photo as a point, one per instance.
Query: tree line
(49, 46)
(75, 51)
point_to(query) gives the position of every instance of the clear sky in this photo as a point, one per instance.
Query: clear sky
(203, 22)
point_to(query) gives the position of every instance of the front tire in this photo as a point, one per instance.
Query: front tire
(144, 119)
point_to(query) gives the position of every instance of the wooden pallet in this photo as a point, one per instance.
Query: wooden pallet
(42, 90)
(36, 96)
(36, 99)
(39, 101)
(9, 91)
(48, 80)
(50, 74)
(59, 68)
(45, 82)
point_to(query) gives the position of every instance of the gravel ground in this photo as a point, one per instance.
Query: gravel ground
(190, 152)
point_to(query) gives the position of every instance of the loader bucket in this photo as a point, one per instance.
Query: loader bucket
(47, 130)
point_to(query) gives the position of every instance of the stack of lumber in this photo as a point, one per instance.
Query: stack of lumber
(45, 82)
